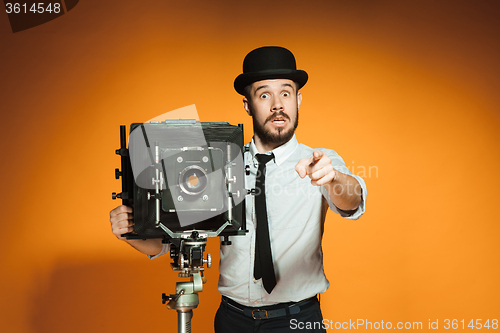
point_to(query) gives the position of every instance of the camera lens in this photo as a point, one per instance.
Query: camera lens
(193, 180)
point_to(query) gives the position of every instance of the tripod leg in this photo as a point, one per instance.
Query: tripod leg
(184, 321)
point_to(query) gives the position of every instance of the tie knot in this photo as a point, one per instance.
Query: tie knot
(263, 158)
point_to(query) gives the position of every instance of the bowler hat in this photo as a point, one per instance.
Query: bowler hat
(269, 62)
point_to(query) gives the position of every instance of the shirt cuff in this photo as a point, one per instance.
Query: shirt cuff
(349, 214)
(165, 249)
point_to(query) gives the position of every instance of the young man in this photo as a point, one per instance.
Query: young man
(269, 278)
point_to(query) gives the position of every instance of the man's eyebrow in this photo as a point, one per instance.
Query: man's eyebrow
(266, 86)
(261, 87)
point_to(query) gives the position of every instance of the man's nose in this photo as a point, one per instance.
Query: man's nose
(277, 104)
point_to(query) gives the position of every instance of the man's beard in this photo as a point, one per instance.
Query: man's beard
(282, 136)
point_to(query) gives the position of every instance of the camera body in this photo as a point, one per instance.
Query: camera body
(181, 176)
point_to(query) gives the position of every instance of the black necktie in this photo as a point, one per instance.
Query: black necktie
(263, 265)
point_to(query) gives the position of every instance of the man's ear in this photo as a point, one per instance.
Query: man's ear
(246, 105)
(299, 99)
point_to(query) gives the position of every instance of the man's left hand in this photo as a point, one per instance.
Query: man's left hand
(318, 167)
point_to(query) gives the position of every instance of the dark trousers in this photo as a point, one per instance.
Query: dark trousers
(230, 320)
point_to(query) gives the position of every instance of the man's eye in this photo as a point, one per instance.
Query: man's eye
(263, 96)
(286, 94)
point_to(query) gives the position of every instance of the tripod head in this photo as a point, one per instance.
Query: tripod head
(187, 254)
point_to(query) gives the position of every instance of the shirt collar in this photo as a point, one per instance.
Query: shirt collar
(281, 153)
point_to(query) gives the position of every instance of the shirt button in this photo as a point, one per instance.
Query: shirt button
(255, 302)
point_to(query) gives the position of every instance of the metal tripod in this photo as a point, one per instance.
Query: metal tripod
(188, 259)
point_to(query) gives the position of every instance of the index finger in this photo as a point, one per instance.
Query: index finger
(317, 155)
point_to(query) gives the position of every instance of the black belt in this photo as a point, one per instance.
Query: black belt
(268, 312)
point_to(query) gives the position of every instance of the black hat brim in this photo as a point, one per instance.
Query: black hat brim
(244, 80)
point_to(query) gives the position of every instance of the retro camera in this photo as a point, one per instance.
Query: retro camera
(182, 176)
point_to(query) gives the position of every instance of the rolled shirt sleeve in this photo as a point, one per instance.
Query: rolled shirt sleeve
(164, 250)
(339, 165)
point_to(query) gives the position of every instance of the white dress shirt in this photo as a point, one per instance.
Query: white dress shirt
(296, 212)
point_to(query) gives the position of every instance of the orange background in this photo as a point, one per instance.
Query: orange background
(408, 88)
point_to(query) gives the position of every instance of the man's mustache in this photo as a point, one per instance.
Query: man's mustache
(275, 115)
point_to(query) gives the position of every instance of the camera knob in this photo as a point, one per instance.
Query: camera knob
(247, 169)
(115, 195)
(226, 241)
(165, 298)
(208, 261)
(117, 173)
